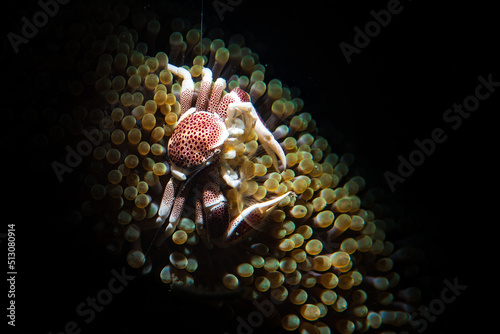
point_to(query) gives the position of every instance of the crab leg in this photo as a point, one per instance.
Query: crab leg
(166, 205)
(199, 223)
(216, 210)
(266, 138)
(167, 201)
(172, 204)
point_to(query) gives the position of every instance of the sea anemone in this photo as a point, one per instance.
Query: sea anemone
(322, 258)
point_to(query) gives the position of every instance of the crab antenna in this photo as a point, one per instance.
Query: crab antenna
(187, 89)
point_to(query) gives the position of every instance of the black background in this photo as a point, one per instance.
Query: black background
(394, 91)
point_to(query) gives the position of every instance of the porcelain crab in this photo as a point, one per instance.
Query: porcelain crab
(195, 160)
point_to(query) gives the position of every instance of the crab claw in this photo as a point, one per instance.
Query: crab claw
(266, 138)
(253, 217)
(270, 144)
